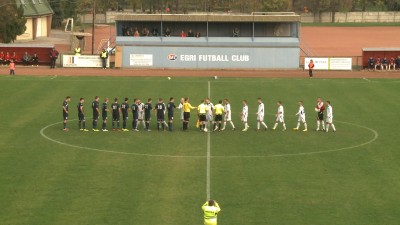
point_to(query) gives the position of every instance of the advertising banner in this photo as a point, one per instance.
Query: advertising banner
(329, 63)
(141, 60)
(83, 61)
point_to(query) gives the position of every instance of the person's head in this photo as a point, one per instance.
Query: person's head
(135, 100)
(126, 99)
(244, 102)
(68, 98)
(201, 100)
(211, 202)
(149, 100)
(106, 100)
(96, 98)
(311, 61)
(328, 102)
(187, 99)
(220, 101)
(182, 32)
(259, 100)
(182, 100)
(207, 100)
(300, 103)
(171, 99)
(115, 100)
(26, 53)
(81, 100)
(279, 103)
(160, 100)
(226, 101)
(319, 100)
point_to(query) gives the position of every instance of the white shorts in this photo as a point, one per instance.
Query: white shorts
(280, 119)
(227, 117)
(301, 119)
(260, 117)
(244, 119)
(140, 116)
(329, 120)
(209, 117)
(181, 115)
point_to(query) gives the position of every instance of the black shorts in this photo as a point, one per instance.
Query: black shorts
(147, 117)
(65, 116)
(202, 117)
(320, 116)
(81, 116)
(170, 116)
(160, 117)
(124, 116)
(135, 116)
(186, 116)
(115, 117)
(95, 116)
(104, 116)
(218, 118)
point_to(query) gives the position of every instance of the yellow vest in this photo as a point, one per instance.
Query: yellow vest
(77, 51)
(219, 109)
(202, 109)
(103, 55)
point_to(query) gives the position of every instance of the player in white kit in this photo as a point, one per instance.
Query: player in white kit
(329, 117)
(228, 114)
(244, 115)
(180, 106)
(209, 114)
(260, 115)
(141, 113)
(301, 117)
(280, 116)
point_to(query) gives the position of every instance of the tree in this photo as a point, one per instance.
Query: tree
(275, 5)
(12, 21)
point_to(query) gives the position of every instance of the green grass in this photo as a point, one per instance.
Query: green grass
(352, 24)
(46, 183)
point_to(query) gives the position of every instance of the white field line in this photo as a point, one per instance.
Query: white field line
(208, 183)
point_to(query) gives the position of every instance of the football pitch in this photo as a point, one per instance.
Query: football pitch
(51, 177)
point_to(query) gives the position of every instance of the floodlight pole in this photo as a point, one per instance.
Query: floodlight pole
(94, 19)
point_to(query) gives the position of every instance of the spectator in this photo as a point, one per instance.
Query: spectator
(53, 56)
(14, 57)
(26, 59)
(371, 63)
(154, 32)
(7, 58)
(183, 34)
(77, 51)
(35, 59)
(198, 35)
(235, 32)
(384, 63)
(397, 62)
(378, 63)
(2, 58)
(145, 32)
(104, 56)
(167, 32)
(392, 63)
(190, 33)
(136, 34)
(12, 67)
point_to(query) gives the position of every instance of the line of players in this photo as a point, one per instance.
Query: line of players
(209, 115)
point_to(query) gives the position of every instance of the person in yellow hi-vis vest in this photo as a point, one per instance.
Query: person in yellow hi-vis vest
(211, 210)
(77, 51)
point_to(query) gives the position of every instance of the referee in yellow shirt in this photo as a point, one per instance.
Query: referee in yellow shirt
(219, 110)
(211, 210)
(186, 113)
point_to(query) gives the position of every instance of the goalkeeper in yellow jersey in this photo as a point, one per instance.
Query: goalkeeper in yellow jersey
(210, 209)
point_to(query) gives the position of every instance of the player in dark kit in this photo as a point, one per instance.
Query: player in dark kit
(320, 108)
(160, 108)
(81, 115)
(124, 110)
(104, 112)
(147, 113)
(170, 108)
(96, 113)
(135, 114)
(65, 112)
(115, 114)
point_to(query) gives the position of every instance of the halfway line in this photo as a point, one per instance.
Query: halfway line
(208, 155)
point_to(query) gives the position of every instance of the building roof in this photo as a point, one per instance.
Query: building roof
(381, 49)
(35, 8)
(255, 17)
